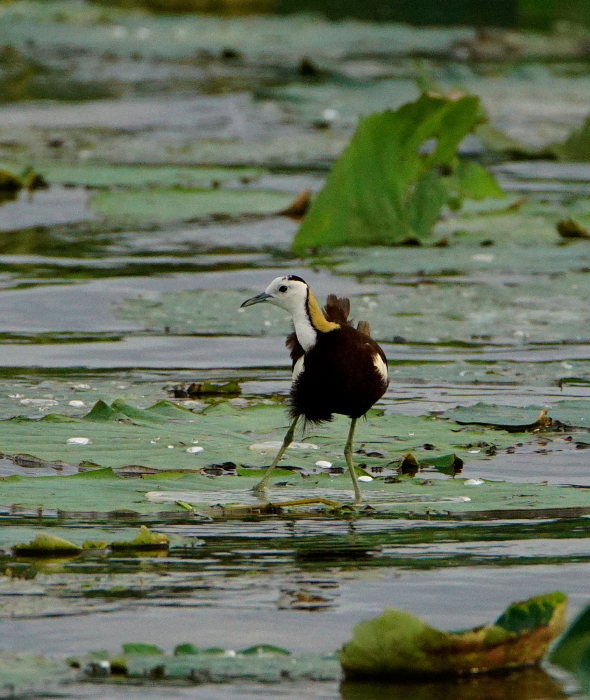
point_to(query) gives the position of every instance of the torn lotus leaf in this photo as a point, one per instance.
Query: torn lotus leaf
(399, 644)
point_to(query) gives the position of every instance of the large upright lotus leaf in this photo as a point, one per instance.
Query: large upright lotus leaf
(399, 644)
(94, 175)
(377, 191)
(184, 204)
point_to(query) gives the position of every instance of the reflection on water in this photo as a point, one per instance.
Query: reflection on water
(525, 684)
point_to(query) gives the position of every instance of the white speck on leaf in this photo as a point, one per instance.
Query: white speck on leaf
(78, 441)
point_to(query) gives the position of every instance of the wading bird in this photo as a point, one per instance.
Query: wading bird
(336, 368)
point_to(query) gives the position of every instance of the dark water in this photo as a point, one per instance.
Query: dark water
(504, 13)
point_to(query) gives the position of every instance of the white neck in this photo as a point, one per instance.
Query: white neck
(306, 333)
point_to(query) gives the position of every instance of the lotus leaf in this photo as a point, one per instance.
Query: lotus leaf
(383, 189)
(399, 644)
(573, 649)
(139, 648)
(575, 413)
(218, 666)
(449, 312)
(163, 205)
(158, 437)
(32, 674)
(46, 545)
(144, 540)
(92, 175)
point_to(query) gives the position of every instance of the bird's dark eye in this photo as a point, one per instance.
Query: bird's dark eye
(283, 288)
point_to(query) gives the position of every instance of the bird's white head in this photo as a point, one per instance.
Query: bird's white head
(292, 294)
(289, 293)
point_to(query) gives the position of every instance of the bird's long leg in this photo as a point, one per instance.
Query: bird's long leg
(288, 439)
(348, 456)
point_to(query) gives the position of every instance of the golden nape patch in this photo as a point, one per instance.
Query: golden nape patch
(317, 318)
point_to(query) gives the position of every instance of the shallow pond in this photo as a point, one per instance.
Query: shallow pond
(169, 148)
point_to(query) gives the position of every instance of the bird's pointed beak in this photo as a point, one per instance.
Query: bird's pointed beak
(258, 299)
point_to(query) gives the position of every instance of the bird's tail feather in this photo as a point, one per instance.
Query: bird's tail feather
(337, 309)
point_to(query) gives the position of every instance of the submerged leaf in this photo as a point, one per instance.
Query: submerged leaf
(399, 644)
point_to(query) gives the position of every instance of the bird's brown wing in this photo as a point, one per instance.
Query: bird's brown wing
(337, 309)
(294, 347)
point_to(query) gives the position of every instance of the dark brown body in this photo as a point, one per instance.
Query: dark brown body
(339, 374)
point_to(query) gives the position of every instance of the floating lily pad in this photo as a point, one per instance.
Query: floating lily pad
(215, 665)
(572, 413)
(121, 435)
(398, 644)
(203, 312)
(133, 176)
(32, 674)
(177, 204)
(528, 310)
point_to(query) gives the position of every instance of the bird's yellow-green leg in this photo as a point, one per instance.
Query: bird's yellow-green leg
(261, 485)
(348, 456)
